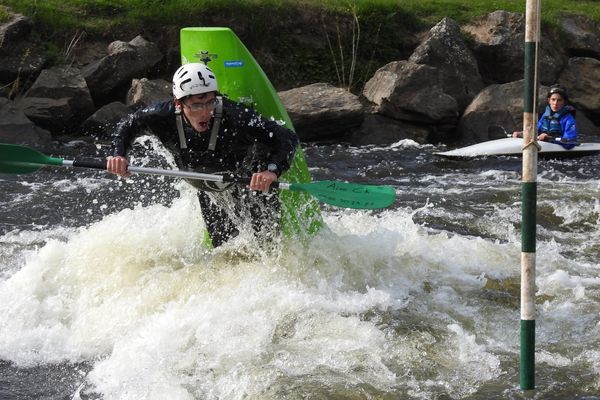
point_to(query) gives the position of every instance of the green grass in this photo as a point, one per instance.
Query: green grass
(4, 16)
(102, 15)
(286, 36)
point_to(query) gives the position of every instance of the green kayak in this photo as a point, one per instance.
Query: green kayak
(242, 79)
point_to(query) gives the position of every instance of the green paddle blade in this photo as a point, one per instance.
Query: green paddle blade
(15, 159)
(348, 195)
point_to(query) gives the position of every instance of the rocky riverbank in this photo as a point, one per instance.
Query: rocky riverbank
(460, 81)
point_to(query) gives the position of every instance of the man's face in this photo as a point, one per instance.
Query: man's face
(198, 110)
(556, 102)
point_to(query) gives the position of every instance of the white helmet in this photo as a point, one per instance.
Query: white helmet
(193, 78)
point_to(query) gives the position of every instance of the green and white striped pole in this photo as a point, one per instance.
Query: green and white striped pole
(528, 196)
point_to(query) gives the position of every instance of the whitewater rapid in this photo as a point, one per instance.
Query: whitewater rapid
(419, 301)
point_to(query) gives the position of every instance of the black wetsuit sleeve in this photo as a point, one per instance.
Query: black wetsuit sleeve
(155, 118)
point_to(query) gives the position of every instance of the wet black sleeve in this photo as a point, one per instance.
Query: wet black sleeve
(155, 118)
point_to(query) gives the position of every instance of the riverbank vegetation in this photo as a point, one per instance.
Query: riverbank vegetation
(296, 41)
(101, 15)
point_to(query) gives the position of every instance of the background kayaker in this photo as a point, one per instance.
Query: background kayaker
(557, 123)
(208, 132)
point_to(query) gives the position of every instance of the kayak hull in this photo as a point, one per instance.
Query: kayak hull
(514, 147)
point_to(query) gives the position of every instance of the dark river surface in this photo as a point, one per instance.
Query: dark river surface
(106, 291)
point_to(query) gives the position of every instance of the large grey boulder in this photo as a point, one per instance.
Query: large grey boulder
(17, 28)
(499, 105)
(586, 128)
(103, 122)
(109, 77)
(582, 78)
(16, 128)
(378, 129)
(20, 57)
(144, 92)
(322, 111)
(582, 36)
(446, 50)
(22, 64)
(498, 43)
(59, 100)
(410, 92)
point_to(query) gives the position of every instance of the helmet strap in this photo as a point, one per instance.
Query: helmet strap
(179, 123)
(214, 133)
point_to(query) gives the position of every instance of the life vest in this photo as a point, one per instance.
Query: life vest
(207, 186)
(551, 120)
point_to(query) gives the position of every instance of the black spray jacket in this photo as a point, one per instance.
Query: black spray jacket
(246, 142)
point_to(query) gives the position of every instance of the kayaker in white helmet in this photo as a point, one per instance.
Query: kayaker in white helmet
(208, 132)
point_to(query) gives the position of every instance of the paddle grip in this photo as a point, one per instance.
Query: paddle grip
(90, 164)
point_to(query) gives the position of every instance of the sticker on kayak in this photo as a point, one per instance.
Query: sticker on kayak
(205, 56)
(234, 64)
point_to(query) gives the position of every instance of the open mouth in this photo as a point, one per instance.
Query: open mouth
(202, 125)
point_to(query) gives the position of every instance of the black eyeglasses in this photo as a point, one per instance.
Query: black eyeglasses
(202, 106)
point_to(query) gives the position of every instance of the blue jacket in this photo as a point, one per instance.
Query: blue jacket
(560, 125)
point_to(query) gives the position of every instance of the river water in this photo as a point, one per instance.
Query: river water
(107, 293)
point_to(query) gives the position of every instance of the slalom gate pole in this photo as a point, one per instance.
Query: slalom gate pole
(529, 196)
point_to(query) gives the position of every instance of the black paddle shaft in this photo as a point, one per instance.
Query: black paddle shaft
(96, 164)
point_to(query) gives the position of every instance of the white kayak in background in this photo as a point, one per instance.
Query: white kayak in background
(514, 147)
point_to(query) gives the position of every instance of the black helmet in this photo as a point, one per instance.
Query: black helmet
(560, 90)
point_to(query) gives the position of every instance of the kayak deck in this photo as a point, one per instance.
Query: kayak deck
(514, 147)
